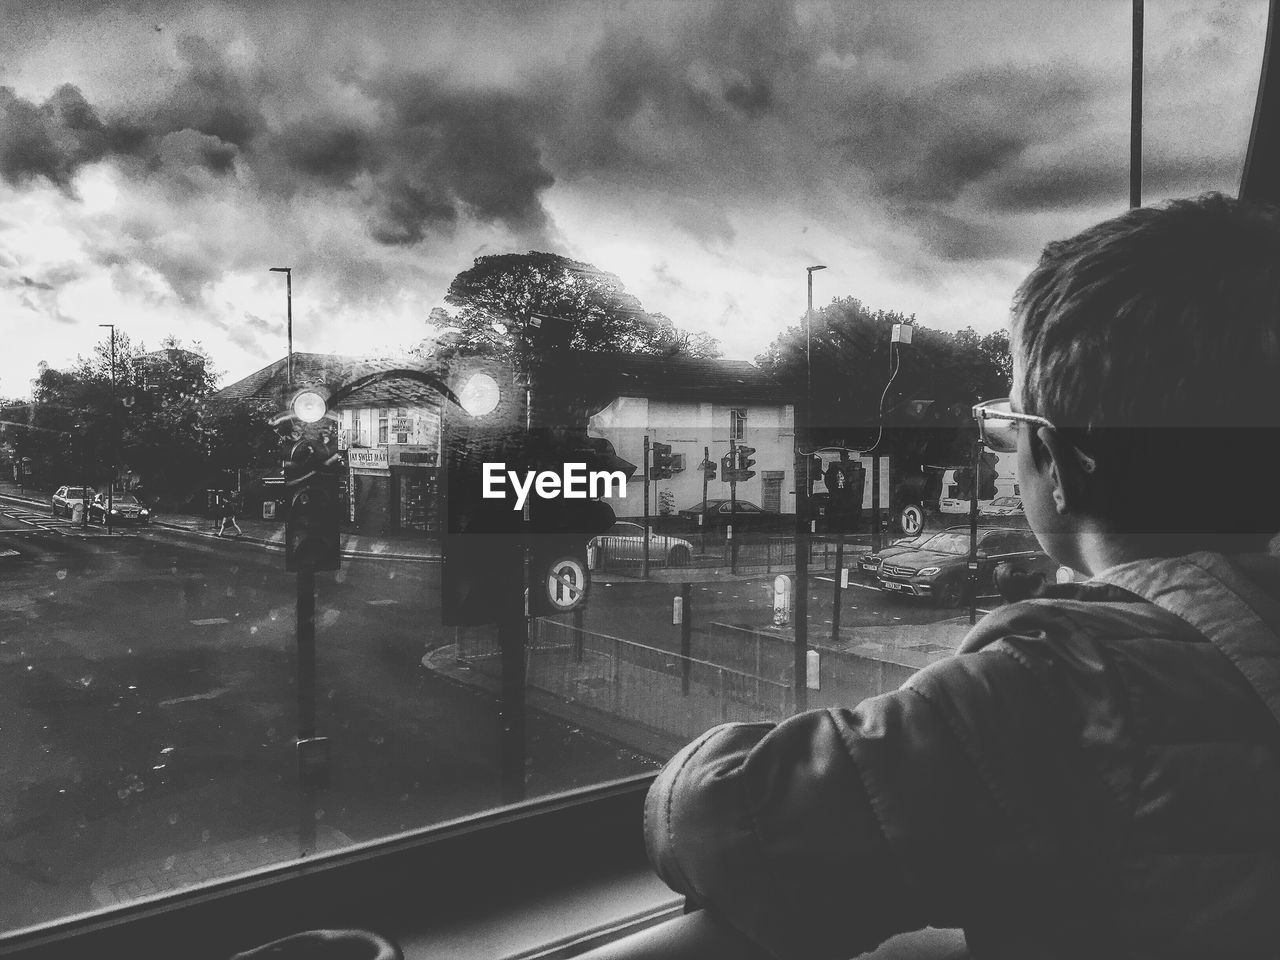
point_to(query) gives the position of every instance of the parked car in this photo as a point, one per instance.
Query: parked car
(938, 568)
(717, 513)
(625, 541)
(66, 499)
(1003, 507)
(125, 509)
(870, 562)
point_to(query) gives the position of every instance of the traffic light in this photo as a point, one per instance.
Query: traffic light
(845, 481)
(311, 469)
(745, 463)
(709, 469)
(662, 462)
(728, 469)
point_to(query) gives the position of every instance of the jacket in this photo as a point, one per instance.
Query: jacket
(1095, 773)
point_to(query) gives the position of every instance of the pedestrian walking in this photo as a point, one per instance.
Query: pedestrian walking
(230, 508)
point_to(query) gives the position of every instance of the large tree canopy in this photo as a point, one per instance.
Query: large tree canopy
(501, 299)
(924, 411)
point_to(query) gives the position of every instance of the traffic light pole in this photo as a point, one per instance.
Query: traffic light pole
(875, 503)
(800, 602)
(702, 516)
(644, 566)
(733, 509)
(306, 643)
(973, 535)
(835, 600)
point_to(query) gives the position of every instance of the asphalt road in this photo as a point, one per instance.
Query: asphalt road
(147, 711)
(148, 691)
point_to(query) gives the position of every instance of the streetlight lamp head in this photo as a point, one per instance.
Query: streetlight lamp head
(279, 269)
(820, 266)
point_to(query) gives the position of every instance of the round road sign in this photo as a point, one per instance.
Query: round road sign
(566, 584)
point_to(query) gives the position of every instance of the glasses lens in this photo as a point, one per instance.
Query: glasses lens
(999, 435)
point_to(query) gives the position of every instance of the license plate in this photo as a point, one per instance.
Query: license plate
(894, 586)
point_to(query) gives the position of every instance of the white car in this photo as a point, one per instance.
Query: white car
(64, 502)
(1003, 507)
(625, 541)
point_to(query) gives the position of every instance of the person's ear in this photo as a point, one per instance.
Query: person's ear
(1068, 476)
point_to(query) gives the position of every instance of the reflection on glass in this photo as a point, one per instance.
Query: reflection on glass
(552, 309)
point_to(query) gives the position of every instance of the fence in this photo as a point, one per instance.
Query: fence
(755, 553)
(659, 691)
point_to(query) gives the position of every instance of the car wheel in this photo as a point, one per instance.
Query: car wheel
(911, 520)
(678, 557)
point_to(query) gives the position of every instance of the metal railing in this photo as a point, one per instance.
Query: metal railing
(637, 684)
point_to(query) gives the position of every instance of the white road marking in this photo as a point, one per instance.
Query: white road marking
(210, 621)
(380, 603)
(10, 553)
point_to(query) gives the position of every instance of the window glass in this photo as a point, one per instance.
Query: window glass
(513, 246)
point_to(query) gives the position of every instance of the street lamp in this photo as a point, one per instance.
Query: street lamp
(111, 479)
(288, 292)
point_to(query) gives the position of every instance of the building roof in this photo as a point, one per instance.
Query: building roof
(675, 378)
(271, 383)
(602, 376)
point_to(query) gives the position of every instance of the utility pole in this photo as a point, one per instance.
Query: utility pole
(1135, 111)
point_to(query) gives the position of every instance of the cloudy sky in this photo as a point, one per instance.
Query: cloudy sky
(156, 158)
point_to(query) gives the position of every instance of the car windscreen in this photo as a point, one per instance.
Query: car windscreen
(947, 543)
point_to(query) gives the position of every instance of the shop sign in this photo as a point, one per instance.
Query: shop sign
(402, 425)
(360, 458)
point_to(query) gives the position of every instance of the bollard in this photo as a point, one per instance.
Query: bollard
(812, 679)
(781, 600)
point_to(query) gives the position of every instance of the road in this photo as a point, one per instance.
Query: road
(147, 691)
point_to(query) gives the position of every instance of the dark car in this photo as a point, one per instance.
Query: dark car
(125, 509)
(938, 568)
(870, 562)
(716, 515)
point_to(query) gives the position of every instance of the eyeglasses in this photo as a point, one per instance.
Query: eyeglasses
(998, 424)
(998, 428)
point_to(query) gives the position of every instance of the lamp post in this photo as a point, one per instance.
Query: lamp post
(288, 293)
(111, 478)
(801, 593)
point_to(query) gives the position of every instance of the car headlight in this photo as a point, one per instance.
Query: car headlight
(928, 571)
(144, 513)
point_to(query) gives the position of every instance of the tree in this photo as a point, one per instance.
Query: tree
(921, 418)
(145, 415)
(501, 298)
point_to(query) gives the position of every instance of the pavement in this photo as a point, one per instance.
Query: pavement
(267, 533)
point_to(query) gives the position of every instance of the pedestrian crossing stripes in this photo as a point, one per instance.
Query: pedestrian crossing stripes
(42, 521)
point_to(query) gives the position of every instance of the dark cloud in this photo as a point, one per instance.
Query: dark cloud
(52, 140)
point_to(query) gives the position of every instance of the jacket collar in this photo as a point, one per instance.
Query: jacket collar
(1232, 601)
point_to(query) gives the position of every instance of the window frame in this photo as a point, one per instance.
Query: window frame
(496, 862)
(737, 423)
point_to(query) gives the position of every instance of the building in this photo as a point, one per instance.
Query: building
(697, 406)
(391, 428)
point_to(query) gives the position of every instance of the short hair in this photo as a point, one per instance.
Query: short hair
(1153, 339)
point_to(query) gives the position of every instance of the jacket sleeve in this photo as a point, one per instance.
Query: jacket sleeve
(824, 835)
